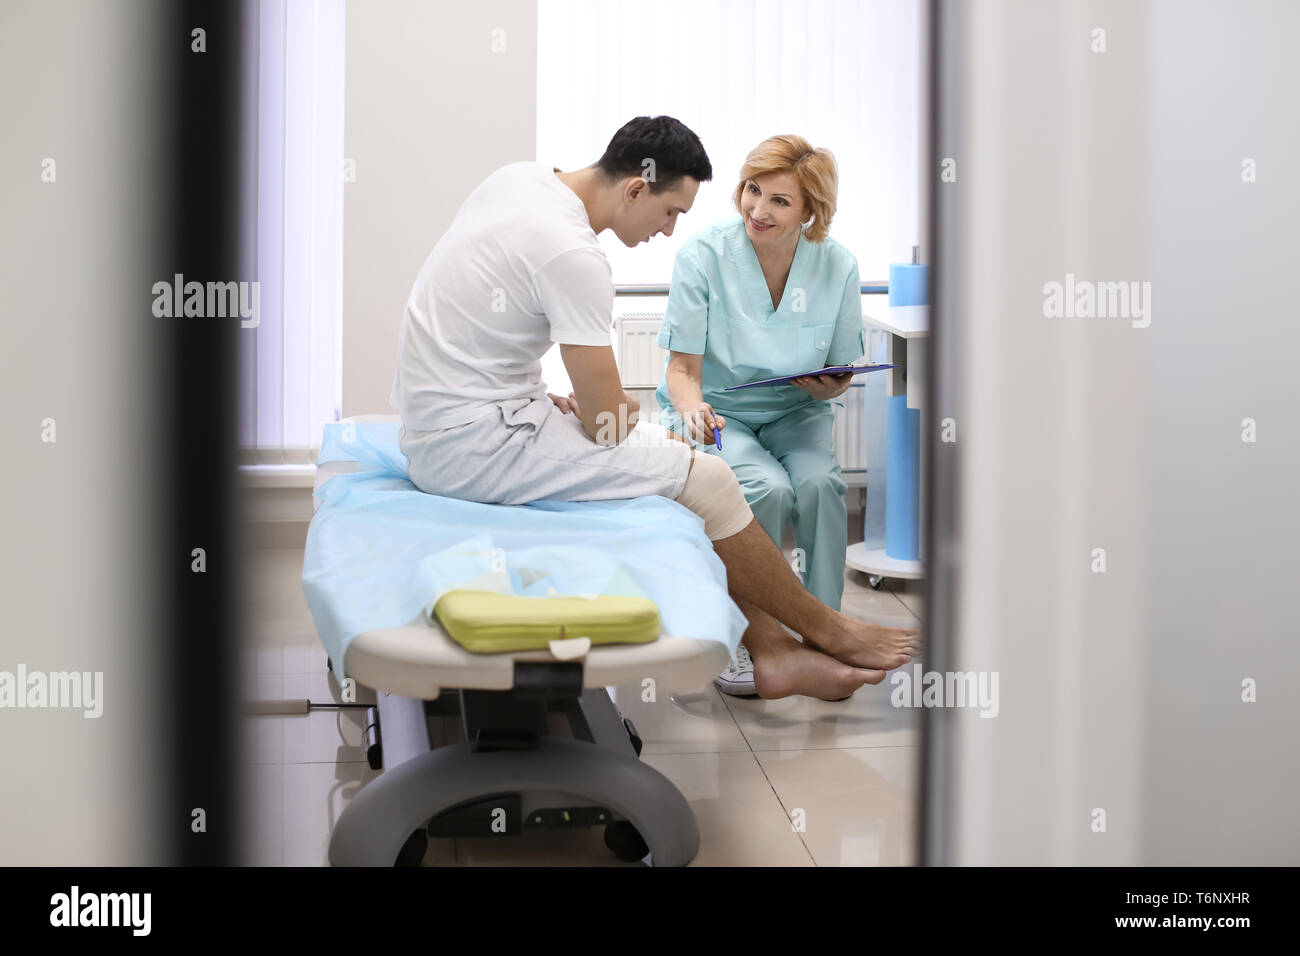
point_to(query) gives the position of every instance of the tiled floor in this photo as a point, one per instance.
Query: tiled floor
(794, 782)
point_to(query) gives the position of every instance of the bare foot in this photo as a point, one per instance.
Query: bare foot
(788, 668)
(860, 644)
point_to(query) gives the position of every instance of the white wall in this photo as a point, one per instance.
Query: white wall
(1222, 775)
(79, 565)
(430, 111)
(1119, 691)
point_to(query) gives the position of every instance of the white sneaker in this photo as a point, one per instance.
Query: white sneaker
(738, 679)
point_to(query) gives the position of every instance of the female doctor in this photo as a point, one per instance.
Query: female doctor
(758, 296)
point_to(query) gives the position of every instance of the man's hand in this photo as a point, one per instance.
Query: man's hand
(607, 412)
(565, 405)
(824, 386)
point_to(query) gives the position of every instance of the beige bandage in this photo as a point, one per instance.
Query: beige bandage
(713, 493)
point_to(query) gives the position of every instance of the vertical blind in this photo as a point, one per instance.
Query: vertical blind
(290, 365)
(844, 74)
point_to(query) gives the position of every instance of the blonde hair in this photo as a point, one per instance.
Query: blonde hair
(814, 170)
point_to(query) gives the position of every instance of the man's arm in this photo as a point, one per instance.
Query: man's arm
(606, 411)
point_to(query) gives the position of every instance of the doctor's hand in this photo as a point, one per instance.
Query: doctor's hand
(701, 420)
(565, 405)
(824, 387)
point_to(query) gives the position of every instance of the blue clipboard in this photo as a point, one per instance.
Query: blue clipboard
(829, 370)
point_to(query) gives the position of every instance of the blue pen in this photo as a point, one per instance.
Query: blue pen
(717, 439)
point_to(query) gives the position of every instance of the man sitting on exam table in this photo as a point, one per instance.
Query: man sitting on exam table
(520, 268)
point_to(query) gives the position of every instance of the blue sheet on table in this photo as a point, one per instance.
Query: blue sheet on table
(380, 552)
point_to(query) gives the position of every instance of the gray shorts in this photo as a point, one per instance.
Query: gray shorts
(529, 450)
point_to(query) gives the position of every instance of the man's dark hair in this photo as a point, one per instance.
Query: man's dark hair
(674, 148)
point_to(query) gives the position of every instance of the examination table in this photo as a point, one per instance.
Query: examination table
(543, 744)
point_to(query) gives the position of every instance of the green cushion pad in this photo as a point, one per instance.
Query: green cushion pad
(486, 622)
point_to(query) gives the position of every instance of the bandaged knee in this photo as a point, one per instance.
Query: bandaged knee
(714, 494)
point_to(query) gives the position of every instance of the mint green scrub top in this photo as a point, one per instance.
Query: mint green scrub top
(719, 307)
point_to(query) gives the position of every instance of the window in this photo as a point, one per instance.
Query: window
(841, 73)
(290, 364)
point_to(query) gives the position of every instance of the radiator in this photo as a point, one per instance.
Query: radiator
(640, 359)
(850, 435)
(641, 364)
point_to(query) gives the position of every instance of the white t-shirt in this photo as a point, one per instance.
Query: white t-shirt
(518, 269)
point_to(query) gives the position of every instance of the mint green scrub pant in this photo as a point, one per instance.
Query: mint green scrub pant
(788, 471)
